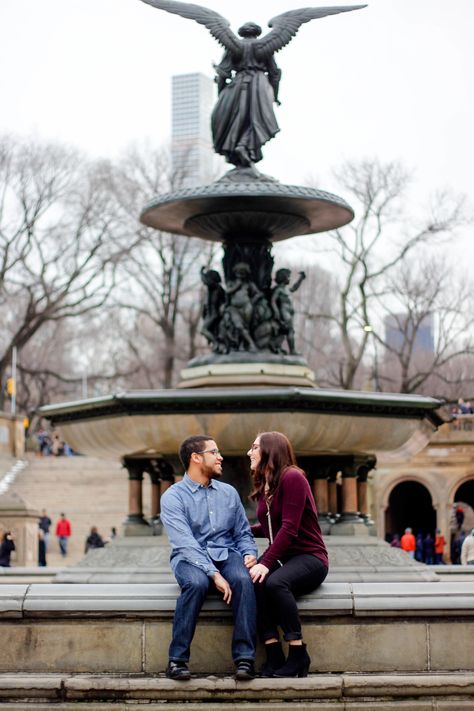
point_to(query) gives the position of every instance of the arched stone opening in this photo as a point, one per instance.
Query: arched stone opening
(463, 501)
(409, 505)
(465, 493)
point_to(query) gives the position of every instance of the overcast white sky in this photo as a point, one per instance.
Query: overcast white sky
(394, 80)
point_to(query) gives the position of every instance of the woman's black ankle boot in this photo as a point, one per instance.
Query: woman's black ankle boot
(275, 659)
(297, 663)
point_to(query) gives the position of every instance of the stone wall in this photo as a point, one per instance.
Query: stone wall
(12, 435)
(358, 627)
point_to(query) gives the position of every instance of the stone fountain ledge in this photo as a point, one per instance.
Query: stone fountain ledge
(158, 599)
(367, 628)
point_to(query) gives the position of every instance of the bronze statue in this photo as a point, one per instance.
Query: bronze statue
(283, 307)
(247, 78)
(242, 294)
(212, 308)
(244, 318)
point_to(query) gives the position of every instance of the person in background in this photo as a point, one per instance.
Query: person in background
(44, 442)
(395, 542)
(94, 540)
(428, 549)
(296, 561)
(57, 445)
(45, 524)
(63, 533)
(440, 543)
(41, 548)
(408, 543)
(419, 548)
(456, 547)
(459, 513)
(7, 546)
(467, 550)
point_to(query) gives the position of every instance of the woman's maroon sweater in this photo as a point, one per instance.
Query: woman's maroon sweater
(294, 521)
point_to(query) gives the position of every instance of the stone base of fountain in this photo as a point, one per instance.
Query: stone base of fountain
(353, 558)
(257, 371)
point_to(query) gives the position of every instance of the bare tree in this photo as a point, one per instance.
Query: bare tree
(429, 312)
(317, 335)
(70, 359)
(159, 284)
(60, 239)
(375, 243)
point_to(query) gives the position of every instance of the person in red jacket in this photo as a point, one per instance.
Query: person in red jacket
(63, 533)
(296, 561)
(408, 542)
(440, 543)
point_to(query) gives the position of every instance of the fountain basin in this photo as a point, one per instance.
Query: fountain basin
(154, 422)
(240, 204)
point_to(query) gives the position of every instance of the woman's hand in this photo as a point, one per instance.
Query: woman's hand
(258, 573)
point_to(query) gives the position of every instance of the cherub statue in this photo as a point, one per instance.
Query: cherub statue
(212, 308)
(247, 78)
(242, 294)
(282, 305)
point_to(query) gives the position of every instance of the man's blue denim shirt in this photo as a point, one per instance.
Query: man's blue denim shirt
(204, 522)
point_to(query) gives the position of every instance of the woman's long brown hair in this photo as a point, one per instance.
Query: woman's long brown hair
(276, 455)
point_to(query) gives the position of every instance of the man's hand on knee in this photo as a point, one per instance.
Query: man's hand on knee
(249, 561)
(223, 586)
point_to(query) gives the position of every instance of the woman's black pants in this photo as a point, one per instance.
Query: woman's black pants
(276, 604)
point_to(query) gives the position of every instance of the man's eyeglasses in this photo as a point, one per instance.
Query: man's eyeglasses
(215, 452)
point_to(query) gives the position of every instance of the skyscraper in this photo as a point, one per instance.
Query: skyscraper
(400, 330)
(192, 154)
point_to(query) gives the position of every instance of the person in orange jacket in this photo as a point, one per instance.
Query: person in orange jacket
(408, 542)
(440, 543)
(63, 533)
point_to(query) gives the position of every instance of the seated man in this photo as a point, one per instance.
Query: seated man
(211, 544)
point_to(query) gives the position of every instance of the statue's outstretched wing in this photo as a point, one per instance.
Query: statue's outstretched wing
(217, 25)
(286, 25)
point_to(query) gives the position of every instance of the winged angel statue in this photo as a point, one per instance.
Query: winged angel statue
(248, 77)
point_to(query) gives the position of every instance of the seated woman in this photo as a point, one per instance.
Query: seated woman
(296, 561)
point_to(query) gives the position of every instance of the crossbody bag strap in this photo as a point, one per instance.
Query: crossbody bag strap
(270, 528)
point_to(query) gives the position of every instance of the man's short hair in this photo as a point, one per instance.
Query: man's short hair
(196, 443)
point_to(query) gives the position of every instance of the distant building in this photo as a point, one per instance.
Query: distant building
(399, 328)
(193, 158)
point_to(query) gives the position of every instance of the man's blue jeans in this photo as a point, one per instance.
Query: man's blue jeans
(194, 584)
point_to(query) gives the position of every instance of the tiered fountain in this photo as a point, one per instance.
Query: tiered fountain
(252, 379)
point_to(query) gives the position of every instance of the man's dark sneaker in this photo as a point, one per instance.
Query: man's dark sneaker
(178, 671)
(244, 670)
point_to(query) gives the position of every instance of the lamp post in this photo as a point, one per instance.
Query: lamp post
(13, 394)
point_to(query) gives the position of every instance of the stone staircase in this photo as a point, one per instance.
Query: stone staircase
(6, 463)
(91, 492)
(318, 692)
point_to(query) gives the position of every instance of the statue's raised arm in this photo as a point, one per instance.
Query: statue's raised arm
(285, 26)
(217, 25)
